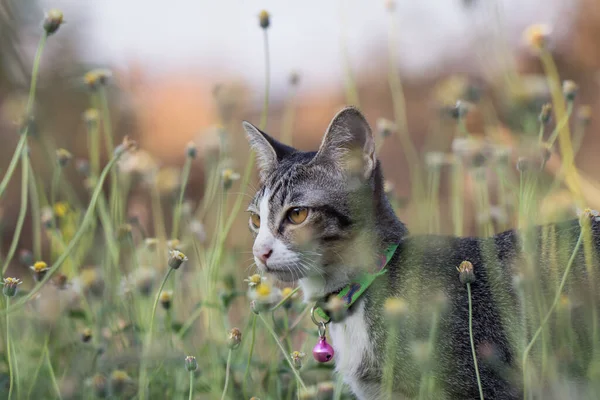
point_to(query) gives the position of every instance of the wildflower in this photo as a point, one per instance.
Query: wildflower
(297, 357)
(294, 79)
(254, 280)
(118, 381)
(143, 279)
(435, 159)
(61, 281)
(191, 364)
(176, 258)
(395, 307)
(39, 269)
(53, 20)
(100, 385)
(325, 390)
(310, 393)
(264, 19)
(234, 338)
(61, 209)
(96, 78)
(336, 308)
(229, 176)
(174, 244)
(465, 272)
(151, 243)
(91, 117)
(82, 166)
(47, 216)
(63, 157)
(25, 257)
(570, 90)
(127, 145)
(10, 286)
(385, 127)
(388, 187)
(167, 180)
(165, 299)
(523, 164)
(91, 281)
(546, 113)
(536, 36)
(584, 114)
(86, 335)
(421, 351)
(190, 150)
(588, 214)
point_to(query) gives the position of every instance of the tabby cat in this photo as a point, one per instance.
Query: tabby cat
(322, 218)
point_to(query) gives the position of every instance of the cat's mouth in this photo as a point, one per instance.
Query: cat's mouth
(284, 274)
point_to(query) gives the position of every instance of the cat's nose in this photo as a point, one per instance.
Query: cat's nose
(264, 255)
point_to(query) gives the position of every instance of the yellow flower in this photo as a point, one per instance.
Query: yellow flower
(254, 280)
(61, 209)
(395, 307)
(39, 266)
(263, 290)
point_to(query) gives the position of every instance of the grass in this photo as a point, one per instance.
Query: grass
(139, 344)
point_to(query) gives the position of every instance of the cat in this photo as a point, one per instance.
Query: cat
(322, 217)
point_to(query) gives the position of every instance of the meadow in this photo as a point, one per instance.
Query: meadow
(100, 307)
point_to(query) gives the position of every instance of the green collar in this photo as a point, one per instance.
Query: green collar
(351, 292)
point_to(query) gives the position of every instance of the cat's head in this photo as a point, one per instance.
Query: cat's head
(312, 207)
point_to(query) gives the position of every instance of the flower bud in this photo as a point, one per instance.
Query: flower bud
(39, 269)
(465, 272)
(234, 339)
(297, 357)
(165, 299)
(536, 36)
(63, 157)
(176, 258)
(100, 385)
(570, 90)
(191, 364)
(191, 150)
(86, 335)
(545, 113)
(264, 19)
(10, 286)
(53, 20)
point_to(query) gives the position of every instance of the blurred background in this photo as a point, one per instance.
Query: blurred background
(186, 70)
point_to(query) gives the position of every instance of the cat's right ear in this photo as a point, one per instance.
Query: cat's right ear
(269, 151)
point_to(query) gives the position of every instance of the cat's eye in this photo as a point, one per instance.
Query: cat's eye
(297, 215)
(255, 220)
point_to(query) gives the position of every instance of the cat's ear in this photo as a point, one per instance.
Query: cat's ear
(349, 144)
(269, 151)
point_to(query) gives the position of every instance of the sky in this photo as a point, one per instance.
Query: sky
(305, 36)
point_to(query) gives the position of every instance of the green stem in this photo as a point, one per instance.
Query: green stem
(143, 374)
(9, 352)
(287, 358)
(472, 342)
(250, 353)
(191, 385)
(22, 210)
(286, 298)
(184, 180)
(85, 223)
(36, 218)
(39, 367)
(551, 309)
(52, 376)
(227, 368)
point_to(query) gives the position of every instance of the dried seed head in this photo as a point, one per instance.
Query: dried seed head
(39, 269)
(63, 157)
(191, 364)
(118, 381)
(190, 150)
(536, 36)
(466, 273)
(165, 299)
(546, 113)
(53, 21)
(10, 286)
(570, 90)
(234, 338)
(264, 19)
(297, 358)
(127, 146)
(61, 281)
(176, 258)
(86, 335)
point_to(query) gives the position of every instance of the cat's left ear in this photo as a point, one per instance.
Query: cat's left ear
(268, 150)
(349, 144)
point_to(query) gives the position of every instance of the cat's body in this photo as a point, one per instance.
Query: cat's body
(323, 217)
